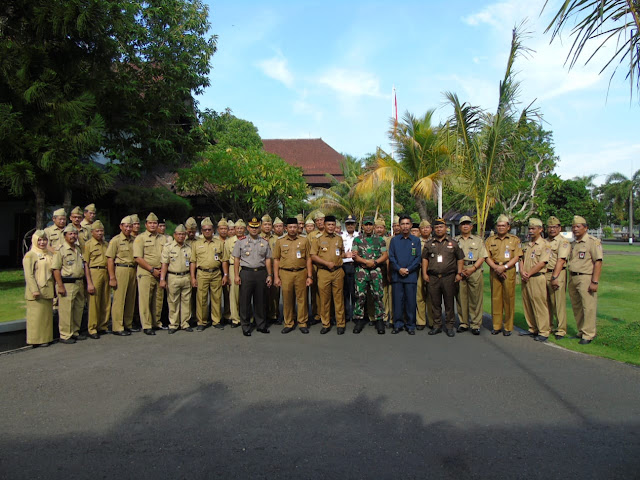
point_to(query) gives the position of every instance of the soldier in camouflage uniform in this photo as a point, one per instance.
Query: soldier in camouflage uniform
(370, 251)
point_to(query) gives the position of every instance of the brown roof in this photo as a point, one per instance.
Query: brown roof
(314, 156)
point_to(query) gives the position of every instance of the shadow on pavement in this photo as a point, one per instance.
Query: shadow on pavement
(202, 435)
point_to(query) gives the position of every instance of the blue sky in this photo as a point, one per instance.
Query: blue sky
(303, 69)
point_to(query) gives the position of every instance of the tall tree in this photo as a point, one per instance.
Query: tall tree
(619, 194)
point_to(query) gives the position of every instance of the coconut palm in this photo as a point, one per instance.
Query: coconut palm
(618, 191)
(423, 155)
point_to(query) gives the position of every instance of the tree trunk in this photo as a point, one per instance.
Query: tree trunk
(422, 207)
(67, 201)
(40, 207)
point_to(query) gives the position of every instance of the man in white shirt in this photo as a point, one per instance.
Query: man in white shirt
(349, 267)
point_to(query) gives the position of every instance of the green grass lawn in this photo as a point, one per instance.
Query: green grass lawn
(13, 305)
(621, 247)
(618, 315)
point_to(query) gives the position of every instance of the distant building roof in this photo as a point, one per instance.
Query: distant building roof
(313, 155)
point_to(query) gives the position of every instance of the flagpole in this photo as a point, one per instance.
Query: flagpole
(394, 114)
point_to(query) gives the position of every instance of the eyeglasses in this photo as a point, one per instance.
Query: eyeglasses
(207, 229)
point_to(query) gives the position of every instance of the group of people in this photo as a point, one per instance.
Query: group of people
(239, 274)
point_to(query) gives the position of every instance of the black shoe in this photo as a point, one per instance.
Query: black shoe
(80, 337)
(219, 326)
(411, 332)
(133, 329)
(314, 322)
(95, 336)
(420, 327)
(286, 330)
(200, 328)
(68, 341)
(263, 330)
(341, 330)
(172, 331)
(371, 323)
(559, 337)
(357, 328)
(123, 333)
(495, 332)
(451, 332)
(149, 331)
(304, 330)
(325, 330)
(506, 333)
(540, 338)
(188, 329)
(235, 325)
(462, 329)
(475, 331)
(527, 334)
(277, 322)
(584, 341)
(395, 331)
(435, 331)
(246, 333)
(103, 332)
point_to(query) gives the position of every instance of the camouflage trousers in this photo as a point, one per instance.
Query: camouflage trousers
(370, 280)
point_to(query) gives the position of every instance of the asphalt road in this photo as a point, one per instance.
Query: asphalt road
(219, 405)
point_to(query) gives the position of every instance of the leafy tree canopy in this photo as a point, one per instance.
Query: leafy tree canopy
(225, 130)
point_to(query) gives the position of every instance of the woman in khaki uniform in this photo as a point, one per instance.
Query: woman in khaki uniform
(39, 291)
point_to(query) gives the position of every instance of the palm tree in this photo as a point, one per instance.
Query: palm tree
(618, 191)
(485, 142)
(423, 152)
(602, 20)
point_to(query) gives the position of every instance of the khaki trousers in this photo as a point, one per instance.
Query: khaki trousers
(315, 296)
(159, 302)
(209, 283)
(70, 308)
(226, 312)
(557, 300)
(584, 304)
(124, 299)
(294, 292)
(536, 309)
(469, 300)
(179, 300)
(100, 301)
(147, 295)
(503, 300)
(234, 296)
(331, 283)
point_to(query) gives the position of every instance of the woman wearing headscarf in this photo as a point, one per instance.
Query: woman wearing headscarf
(39, 291)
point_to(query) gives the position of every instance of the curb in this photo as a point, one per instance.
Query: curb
(13, 326)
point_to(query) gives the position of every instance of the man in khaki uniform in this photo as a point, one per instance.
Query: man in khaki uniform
(147, 250)
(533, 266)
(161, 300)
(503, 250)
(231, 229)
(301, 231)
(556, 276)
(55, 232)
(69, 271)
(585, 267)
(229, 270)
(470, 288)
(327, 252)
(95, 254)
(424, 313)
(318, 221)
(309, 226)
(136, 225)
(175, 278)
(76, 220)
(89, 215)
(207, 255)
(192, 233)
(223, 235)
(122, 278)
(395, 226)
(293, 272)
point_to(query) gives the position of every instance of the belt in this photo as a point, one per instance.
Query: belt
(578, 273)
(535, 275)
(180, 274)
(208, 270)
(293, 269)
(441, 275)
(469, 263)
(71, 279)
(321, 267)
(98, 268)
(128, 265)
(259, 269)
(550, 270)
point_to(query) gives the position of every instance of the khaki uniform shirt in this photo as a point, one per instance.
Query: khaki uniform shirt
(69, 261)
(55, 236)
(121, 250)
(584, 253)
(443, 256)
(472, 247)
(252, 253)
(208, 254)
(149, 247)
(560, 248)
(329, 248)
(228, 248)
(177, 257)
(95, 253)
(503, 250)
(534, 253)
(292, 252)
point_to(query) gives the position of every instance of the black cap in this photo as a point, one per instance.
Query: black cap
(329, 218)
(350, 219)
(292, 221)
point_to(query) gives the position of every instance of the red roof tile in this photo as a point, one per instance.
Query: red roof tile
(314, 156)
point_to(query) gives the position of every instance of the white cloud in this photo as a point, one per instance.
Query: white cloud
(612, 157)
(351, 83)
(277, 68)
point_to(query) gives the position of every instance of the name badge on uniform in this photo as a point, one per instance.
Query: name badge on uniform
(439, 258)
(470, 255)
(507, 255)
(337, 252)
(215, 257)
(298, 254)
(413, 252)
(581, 255)
(186, 262)
(533, 254)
